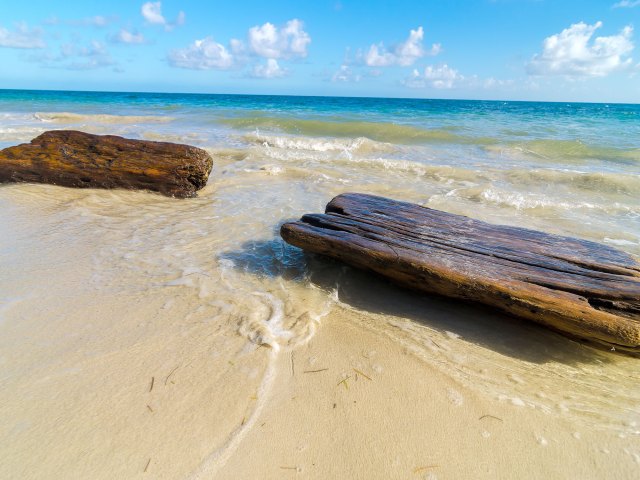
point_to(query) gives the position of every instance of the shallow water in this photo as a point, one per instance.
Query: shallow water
(216, 264)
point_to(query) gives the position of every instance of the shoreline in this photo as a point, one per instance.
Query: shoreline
(130, 323)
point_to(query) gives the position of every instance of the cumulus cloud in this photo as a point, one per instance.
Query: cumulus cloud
(346, 74)
(21, 37)
(440, 77)
(267, 41)
(572, 52)
(627, 4)
(403, 54)
(127, 37)
(271, 69)
(205, 54)
(289, 41)
(152, 13)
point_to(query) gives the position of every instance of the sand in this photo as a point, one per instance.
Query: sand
(153, 398)
(139, 339)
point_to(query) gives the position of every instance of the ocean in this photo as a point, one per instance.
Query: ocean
(123, 278)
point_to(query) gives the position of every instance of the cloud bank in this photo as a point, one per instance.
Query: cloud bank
(22, 37)
(573, 53)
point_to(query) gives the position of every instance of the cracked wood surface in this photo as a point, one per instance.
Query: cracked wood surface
(76, 159)
(578, 287)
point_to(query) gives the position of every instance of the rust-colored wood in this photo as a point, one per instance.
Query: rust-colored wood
(77, 159)
(578, 287)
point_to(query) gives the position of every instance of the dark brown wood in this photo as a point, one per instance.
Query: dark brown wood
(77, 159)
(578, 287)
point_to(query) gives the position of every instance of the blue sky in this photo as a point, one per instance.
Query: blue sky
(484, 49)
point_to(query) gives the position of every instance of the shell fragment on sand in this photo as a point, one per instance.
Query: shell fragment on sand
(578, 287)
(77, 159)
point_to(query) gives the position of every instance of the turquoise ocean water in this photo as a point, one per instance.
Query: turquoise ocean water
(543, 160)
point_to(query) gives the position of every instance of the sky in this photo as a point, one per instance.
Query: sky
(555, 50)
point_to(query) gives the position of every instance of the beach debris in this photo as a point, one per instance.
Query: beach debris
(344, 382)
(316, 371)
(76, 159)
(170, 373)
(577, 287)
(297, 469)
(147, 466)
(293, 367)
(358, 372)
(426, 467)
(153, 380)
(490, 416)
(149, 408)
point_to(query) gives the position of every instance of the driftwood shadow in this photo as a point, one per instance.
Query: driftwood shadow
(370, 292)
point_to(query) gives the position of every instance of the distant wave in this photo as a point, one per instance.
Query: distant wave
(68, 117)
(597, 182)
(378, 131)
(572, 150)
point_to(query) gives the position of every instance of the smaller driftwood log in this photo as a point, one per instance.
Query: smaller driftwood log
(577, 287)
(77, 159)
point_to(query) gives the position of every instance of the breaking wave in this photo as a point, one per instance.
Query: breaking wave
(378, 131)
(360, 144)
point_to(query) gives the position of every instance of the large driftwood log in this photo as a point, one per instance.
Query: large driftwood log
(77, 159)
(577, 287)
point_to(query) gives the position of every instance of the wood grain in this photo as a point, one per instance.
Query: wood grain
(77, 159)
(578, 287)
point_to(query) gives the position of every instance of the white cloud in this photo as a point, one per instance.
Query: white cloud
(573, 54)
(21, 37)
(125, 36)
(95, 55)
(627, 4)
(237, 47)
(270, 69)
(99, 21)
(289, 41)
(267, 41)
(152, 13)
(492, 82)
(346, 74)
(205, 54)
(73, 56)
(440, 77)
(403, 54)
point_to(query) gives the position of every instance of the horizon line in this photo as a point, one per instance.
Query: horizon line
(312, 96)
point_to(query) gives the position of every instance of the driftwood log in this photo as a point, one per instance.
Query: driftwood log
(76, 159)
(577, 287)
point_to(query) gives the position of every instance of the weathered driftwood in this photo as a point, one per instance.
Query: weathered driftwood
(77, 159)
(577, 287)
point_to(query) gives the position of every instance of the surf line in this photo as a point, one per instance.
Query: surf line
(216, 459)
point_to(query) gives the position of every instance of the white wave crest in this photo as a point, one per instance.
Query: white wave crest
(318, 144)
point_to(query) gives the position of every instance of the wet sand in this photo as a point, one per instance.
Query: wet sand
(115, 367)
